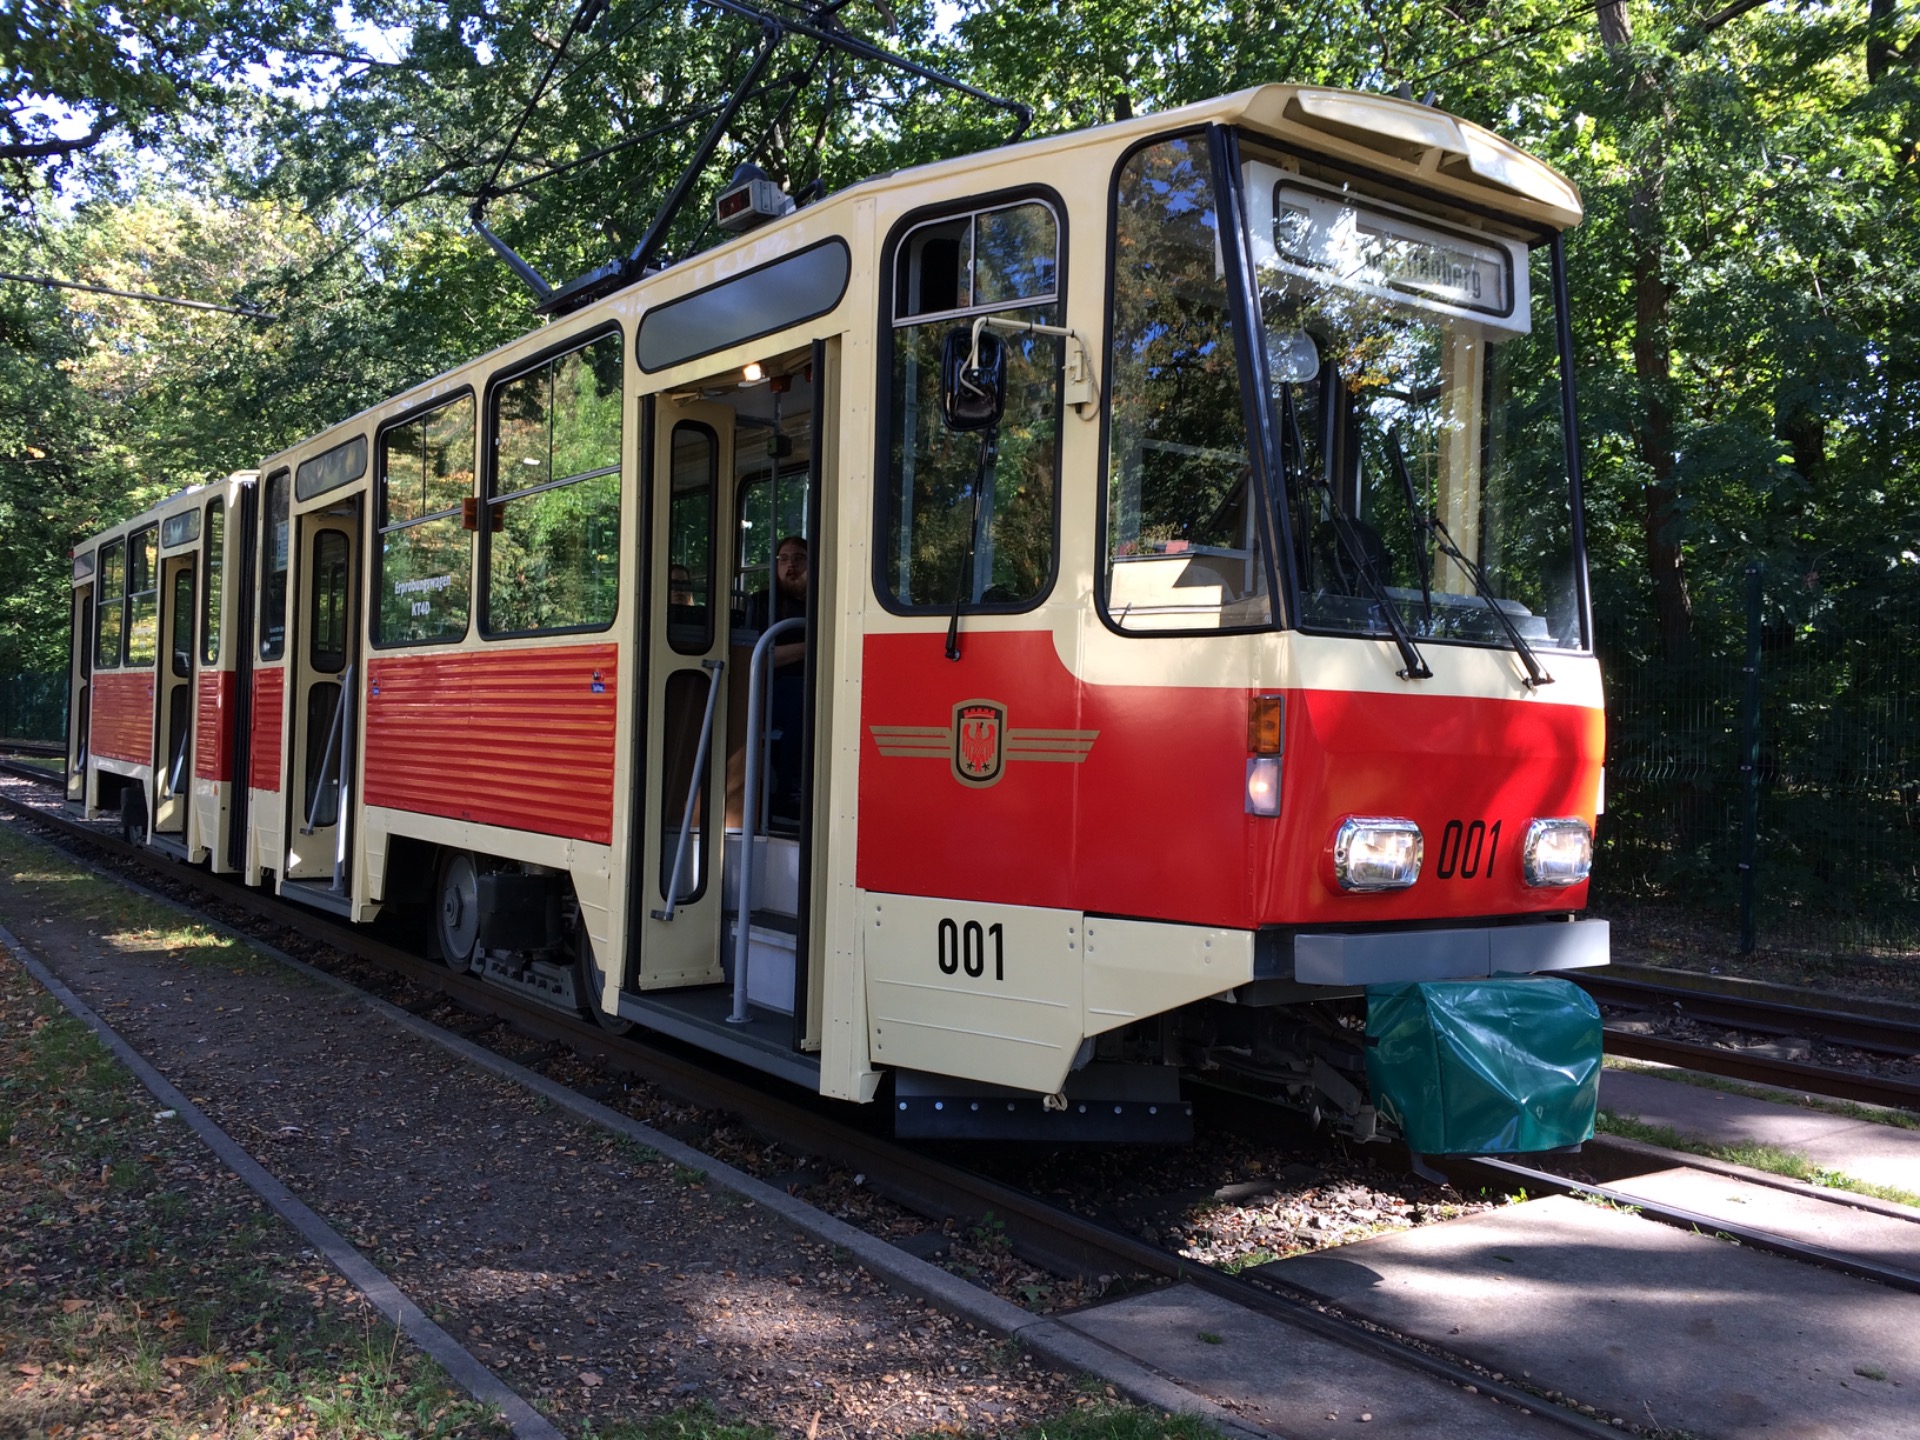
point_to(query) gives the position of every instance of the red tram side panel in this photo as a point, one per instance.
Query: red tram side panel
(213, 726)
(263, 740)
(123, 716)
(1125, 800)
(521, 739)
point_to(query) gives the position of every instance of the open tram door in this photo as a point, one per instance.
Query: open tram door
(323, 684)
(733, 471)
(174, 680)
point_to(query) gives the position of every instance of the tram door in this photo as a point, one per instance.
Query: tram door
(173, 711)
(683, 692)
(80, 690)
(323, 681)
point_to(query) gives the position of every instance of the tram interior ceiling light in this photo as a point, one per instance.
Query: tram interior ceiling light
(752, 373)
(1372, 853)
(1557, 852)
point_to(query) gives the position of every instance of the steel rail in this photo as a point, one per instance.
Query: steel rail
(1764, 1070)
(1059, 1239)
(33, 747)
(1769, 1016)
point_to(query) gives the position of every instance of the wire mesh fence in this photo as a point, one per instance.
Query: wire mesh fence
(33, 707)
(1768, 785)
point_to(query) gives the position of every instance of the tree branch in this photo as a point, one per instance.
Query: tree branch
(43, 149)
(1732, 12)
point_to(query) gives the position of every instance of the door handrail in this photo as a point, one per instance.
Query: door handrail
(714, 668)
(345, 768)
(749, 813)
(179, 762)
(327, 764)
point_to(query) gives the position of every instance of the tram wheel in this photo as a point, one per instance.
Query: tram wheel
(456, 914)
(589, 983)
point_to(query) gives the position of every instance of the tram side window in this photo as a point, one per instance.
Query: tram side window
(273, 572)
(689, 581)
(143, 596)
(214, 558)
(425, 560)
(109, 608)
(948, 273)
(553, 503)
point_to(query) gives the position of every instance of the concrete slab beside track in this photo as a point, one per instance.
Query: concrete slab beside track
(1659, 1326)
(1878, 1154)
(1292, 1384)
(1832, 1223)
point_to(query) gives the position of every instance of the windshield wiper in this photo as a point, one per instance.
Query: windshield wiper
(1443, 539)
(1413, 664)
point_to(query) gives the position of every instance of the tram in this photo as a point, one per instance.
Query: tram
(993, 640)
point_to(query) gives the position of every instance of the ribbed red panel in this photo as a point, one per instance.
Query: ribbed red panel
(269, 700)
(123, 715)
(517, 738)
(213, 726)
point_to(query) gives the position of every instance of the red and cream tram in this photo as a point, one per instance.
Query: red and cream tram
(1189, 665)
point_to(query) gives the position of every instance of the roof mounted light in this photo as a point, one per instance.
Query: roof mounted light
(750, 200)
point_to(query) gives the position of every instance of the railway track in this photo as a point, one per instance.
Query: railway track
(1058, 1238)
(1881, 1035)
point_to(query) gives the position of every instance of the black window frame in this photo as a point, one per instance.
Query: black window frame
(212, 559)
(118, 598)
(273, 651)
(127, 598)
(487, 467)
(883, 387)
(376, 508)
(717, 565)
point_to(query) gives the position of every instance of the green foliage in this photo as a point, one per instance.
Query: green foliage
(1746, 287)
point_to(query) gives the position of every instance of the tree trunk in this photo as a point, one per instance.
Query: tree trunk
(1649, 110)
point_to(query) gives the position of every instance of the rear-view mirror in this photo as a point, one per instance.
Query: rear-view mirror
(973, 379)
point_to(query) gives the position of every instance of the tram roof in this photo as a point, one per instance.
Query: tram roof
(1420, 145)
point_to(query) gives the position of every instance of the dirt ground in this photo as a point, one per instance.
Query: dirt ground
(594, 1277)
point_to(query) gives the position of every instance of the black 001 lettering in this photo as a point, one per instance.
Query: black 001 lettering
(964, 948)
(1462, 844)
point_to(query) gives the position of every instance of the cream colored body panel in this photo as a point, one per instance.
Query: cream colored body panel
(1048, 980)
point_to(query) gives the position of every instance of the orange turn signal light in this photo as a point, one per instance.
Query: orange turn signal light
(1266, 723)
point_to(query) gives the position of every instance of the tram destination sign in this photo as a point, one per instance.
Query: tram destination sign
(1371, 248)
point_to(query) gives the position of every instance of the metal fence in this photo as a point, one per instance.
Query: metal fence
(33, 707)
(1767, 787)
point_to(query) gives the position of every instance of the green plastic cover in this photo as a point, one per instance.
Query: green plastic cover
(1485, 1067)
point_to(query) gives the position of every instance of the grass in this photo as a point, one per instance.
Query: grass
(1769, 1158)
(141, 1281)
(43, 882)
(1847, 1109)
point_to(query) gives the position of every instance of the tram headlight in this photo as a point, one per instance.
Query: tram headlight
(1263, 785)
(1557, 852)
(1371, 853)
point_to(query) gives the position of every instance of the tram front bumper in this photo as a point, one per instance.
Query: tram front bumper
(1390, 957)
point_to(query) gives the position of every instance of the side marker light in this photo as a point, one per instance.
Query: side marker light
(1263, 785)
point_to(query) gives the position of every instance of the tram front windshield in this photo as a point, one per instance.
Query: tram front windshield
(1414, 395)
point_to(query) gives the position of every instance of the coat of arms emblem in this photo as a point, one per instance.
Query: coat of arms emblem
(979, 741)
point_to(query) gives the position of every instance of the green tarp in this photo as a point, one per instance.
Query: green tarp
(1479, 1067)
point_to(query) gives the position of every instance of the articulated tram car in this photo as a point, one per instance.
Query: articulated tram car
(992, 640)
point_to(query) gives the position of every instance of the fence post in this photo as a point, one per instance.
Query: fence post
(1750, 761)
